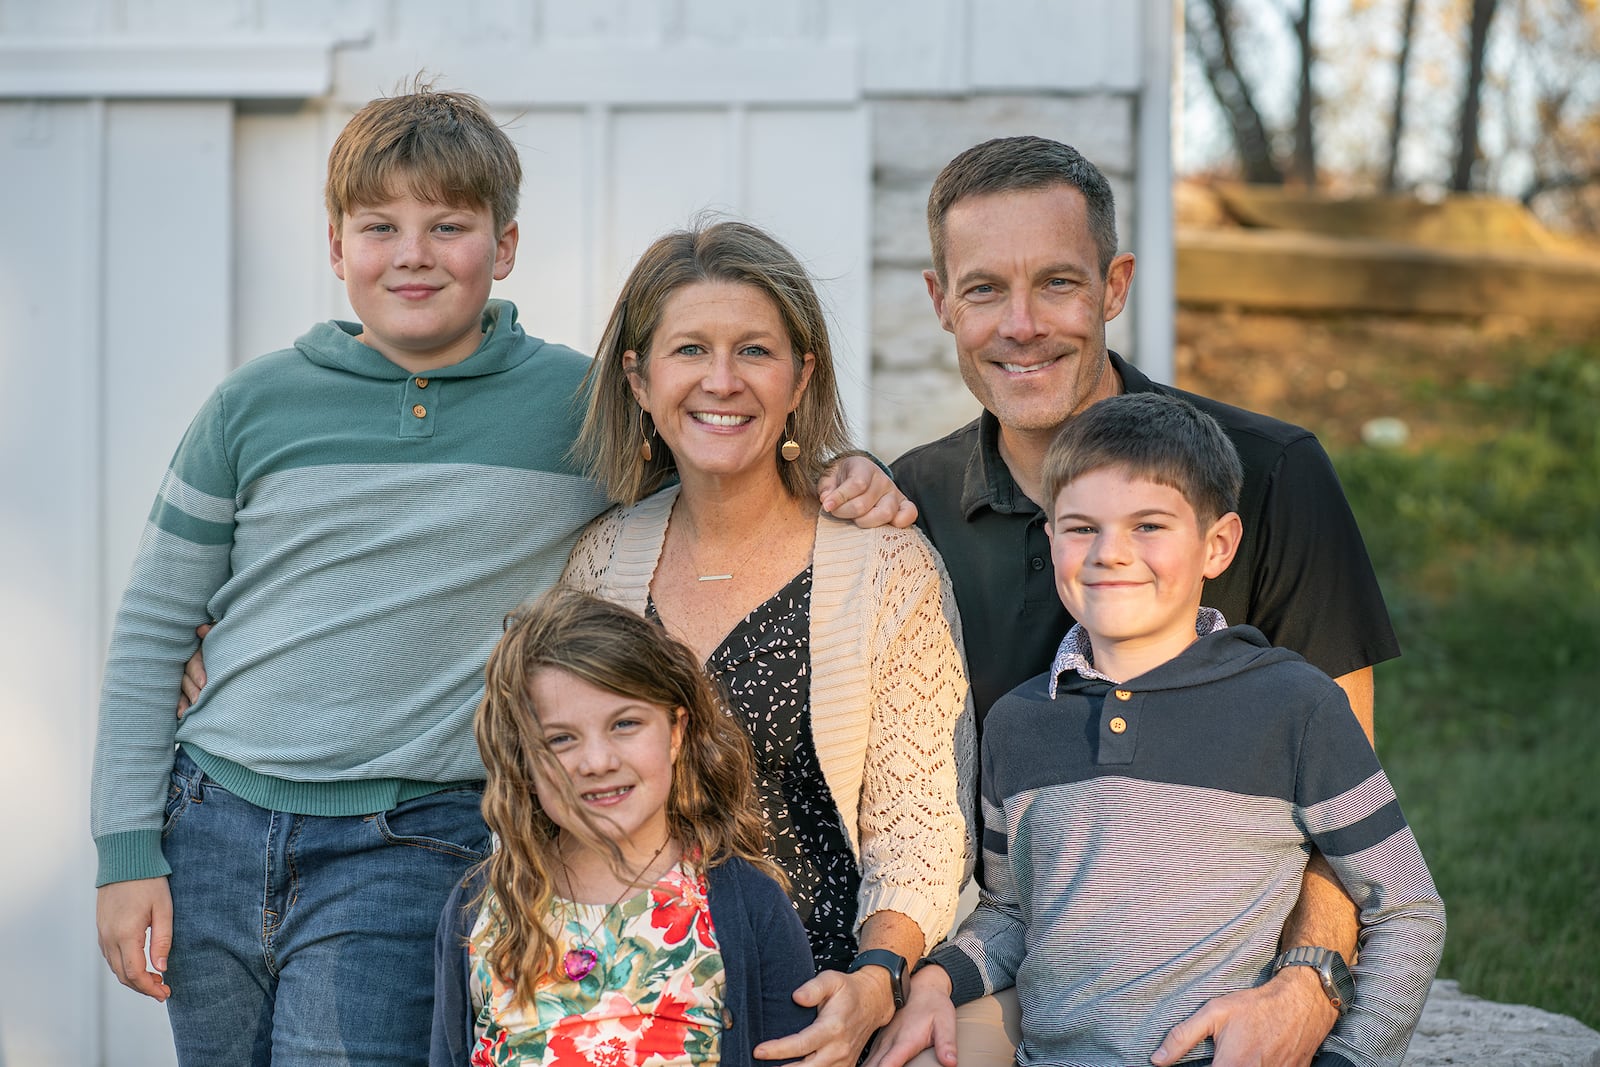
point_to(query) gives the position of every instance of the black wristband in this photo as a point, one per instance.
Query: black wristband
(892, 962)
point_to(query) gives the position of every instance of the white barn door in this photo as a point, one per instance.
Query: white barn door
(164, 232)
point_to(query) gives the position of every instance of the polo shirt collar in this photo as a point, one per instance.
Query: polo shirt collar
(988, 482)
(1077, 654)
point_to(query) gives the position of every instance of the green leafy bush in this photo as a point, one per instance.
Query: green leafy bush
(1488, 547)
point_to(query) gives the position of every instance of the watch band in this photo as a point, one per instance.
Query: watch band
(892, 962)
(1337, 983)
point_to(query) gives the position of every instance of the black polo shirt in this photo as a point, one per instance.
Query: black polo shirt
(1302, 575)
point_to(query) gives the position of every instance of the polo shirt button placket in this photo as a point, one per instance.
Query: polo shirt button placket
(1118, 732)
(417, 419)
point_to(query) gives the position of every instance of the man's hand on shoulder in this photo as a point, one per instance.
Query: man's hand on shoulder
(1278, 1024)
(855, 488)
(124, 911)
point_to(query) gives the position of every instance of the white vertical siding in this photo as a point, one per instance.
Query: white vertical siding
(53, 613)
(168, 157)
(131, 202)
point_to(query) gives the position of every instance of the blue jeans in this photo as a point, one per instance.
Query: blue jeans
(303, 939)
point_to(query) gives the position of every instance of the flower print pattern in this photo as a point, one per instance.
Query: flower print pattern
(655, 999)
(675, 912)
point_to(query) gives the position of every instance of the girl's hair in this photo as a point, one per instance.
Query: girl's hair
(712, 811)
(727, 251)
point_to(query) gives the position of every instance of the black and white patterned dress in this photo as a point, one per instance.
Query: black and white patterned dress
(765, 665)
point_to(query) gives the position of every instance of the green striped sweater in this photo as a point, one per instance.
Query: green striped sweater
(358, 533)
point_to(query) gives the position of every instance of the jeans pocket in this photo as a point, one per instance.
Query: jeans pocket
(182, 790)
(449, 821)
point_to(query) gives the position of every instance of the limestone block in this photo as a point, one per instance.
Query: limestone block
(906, 333)
(900, 225)
(914, 138)
(1457, 1029)
(913, 407)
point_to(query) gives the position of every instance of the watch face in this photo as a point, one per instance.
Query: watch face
(1334, 976)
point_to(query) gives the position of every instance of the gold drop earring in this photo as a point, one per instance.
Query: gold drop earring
(791, 448)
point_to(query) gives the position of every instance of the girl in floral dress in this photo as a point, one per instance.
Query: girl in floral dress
(629, 915)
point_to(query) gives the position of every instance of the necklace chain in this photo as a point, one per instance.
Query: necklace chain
(578, 961)
(756, 542)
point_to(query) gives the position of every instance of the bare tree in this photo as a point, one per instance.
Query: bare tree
(1213, 44)
(1472, 95)
(1408, 24)
(1305, 141)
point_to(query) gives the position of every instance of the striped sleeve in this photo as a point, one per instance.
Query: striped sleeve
(182, 560)
(1364, 835)
(987, 950)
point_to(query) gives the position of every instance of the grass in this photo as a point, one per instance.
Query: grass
(1488, 547)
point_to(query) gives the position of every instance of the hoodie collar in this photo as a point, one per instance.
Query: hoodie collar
(333, 344)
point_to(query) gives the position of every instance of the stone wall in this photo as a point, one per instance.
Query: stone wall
(917, 393)
(1457, 1029)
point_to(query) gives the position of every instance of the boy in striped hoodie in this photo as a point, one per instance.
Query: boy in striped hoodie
(1150, 801)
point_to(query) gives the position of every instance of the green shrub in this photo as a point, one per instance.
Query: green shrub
(1488, 547)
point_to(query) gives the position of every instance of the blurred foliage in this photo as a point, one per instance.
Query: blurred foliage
(1488, 546)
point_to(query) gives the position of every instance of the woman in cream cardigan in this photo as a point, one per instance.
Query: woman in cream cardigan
(839, 648)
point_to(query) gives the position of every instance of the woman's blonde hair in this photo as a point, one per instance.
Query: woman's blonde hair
(727, 251)
(712, 810)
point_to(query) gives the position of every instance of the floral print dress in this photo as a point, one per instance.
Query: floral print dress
(654, 998)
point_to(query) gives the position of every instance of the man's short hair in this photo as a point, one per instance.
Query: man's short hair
(1008, 164)
(1153, 436)
(439, 146)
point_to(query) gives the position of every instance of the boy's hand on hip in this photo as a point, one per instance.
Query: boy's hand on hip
(124, 911)
(849, 1008)
(1278, 1024)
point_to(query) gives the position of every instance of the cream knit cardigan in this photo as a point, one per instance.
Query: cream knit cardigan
(891, 717)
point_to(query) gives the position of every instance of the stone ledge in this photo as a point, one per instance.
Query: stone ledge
(1458, 1029)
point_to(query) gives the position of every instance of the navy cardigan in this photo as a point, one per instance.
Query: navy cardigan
(763, 945)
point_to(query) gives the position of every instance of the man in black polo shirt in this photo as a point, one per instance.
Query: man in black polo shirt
(1026, 275)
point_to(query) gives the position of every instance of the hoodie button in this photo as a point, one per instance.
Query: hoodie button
(419, 411)
(1118, 724)
(1123, 694)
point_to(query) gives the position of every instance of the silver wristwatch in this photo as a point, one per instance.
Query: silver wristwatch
(1335, 977)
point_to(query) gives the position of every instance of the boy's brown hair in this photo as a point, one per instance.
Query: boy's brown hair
(440, 146)
(1161, 438)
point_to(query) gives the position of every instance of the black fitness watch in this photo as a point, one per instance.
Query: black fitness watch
(889, 961)
(1331, 972)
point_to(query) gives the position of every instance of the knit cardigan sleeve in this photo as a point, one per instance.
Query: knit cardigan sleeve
(892, 718)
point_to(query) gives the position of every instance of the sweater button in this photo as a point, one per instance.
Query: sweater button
(422, 383)
(419, 411)
(1123, 694)
(1118, 724)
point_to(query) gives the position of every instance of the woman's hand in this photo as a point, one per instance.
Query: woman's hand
(855, 488)
(850, 1008)
(194, 674)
